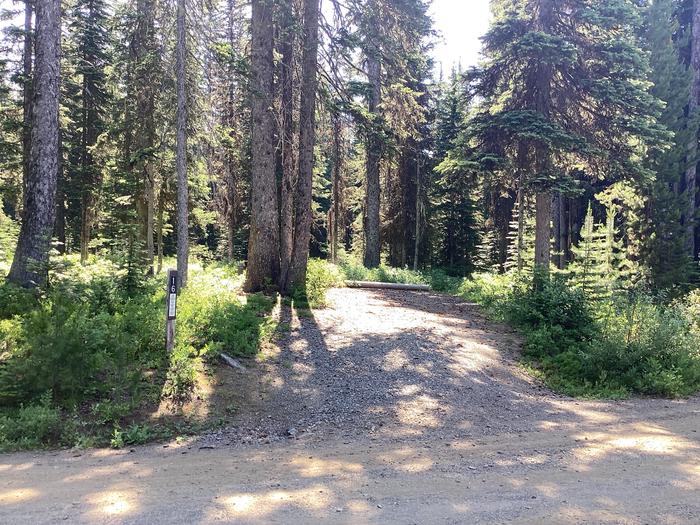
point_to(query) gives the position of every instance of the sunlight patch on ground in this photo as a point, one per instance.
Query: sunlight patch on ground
(395, 360)
(314, 499)
(113, 503)
(309, 467)
(21, 495)
(421, 411)
(108, 470)
(19, 467)
(408, 460)
(646, 440)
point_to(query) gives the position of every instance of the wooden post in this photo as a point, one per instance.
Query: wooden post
(170, 310)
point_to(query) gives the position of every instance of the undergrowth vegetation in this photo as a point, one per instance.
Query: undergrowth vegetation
(81, 361)
(628, 343)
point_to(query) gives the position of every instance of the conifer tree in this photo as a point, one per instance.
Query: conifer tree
(564, 86)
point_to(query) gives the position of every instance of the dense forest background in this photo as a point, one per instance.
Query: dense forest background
(281, 146)
(576, 108)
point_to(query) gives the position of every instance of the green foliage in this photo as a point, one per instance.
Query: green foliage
(320, 276)
(355, 271)
(34, 425)
(600, 266)
(91, 348)
(15, 300)
(597, 347)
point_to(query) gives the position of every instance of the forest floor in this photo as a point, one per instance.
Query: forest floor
(386, 407)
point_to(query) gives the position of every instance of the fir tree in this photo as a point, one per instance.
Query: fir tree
(564, 87)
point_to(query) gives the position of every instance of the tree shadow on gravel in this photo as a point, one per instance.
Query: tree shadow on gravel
(403, 421)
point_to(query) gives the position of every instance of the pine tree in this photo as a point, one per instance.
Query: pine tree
(263, 245)
(564, 86)
(665, 236)
(30, 263)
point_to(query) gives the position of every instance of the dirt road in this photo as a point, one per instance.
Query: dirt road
(388, 407)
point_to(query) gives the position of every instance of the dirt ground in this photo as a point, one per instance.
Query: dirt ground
(387, 407)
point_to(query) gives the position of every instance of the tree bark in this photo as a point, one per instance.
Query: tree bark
(416, 244)
(372, 192)
(337, 185)
(27, 95)
(263, 244)
(91, 174)
(543, 221)
(543, 203)
(144, 51)
(307, 141)
(689, 213)
(289, 137)
(30, 263)
(183, 247)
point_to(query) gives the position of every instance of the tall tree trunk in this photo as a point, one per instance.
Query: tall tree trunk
(558, 230)
(27, 95)
(543, 219)
(92, 174)
(307, 141)
(30, 263)
(288, 140)
(689, 219)
(372, 192)
(263, 244)
(183, 246)
(337, 191)
(543, 202)
(144, 56)
(416, 244)
(233, 189)
(159, 228)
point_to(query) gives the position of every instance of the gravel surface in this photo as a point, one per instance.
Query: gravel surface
(387, 407)
(399, 365)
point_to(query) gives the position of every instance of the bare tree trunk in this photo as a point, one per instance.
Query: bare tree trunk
(557, 225)
(263, 244)
(521, 220)
(543, 202)
(543, 221)
(307, 141)
(337, 185)
(288, 142)
(372, 193)
(144, 50)
(27, 95)
(416, 244)
(689, 219)
(92, 174)
(30, 263)
(183, 246)
(159, 228)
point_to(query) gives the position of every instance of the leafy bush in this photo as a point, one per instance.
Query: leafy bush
(15, 300)
(354, 271)
(33, 426)
(610, 347)
(320, 277)
(96, 347)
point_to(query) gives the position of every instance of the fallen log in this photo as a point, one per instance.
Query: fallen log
(230, 361)
(387, 286)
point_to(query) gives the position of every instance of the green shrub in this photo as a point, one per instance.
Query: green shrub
(320, 277)
(15, 300)
(610, 347)
(34, 425)
(353, 270)
(441, 281)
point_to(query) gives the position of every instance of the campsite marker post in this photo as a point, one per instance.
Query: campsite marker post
(171, 310)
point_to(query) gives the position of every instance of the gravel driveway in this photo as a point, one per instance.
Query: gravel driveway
(387, 407)
(400, 365)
